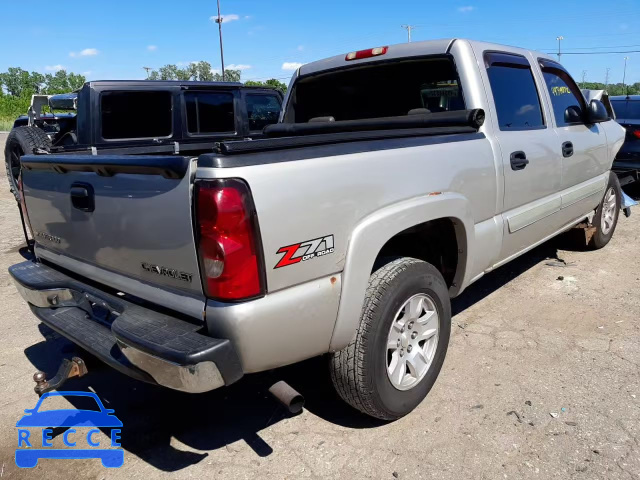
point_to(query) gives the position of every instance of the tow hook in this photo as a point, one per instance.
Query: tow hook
(68, 369)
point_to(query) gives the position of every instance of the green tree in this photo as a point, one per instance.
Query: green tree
(197, 71)
(272, 82)
(18, 81)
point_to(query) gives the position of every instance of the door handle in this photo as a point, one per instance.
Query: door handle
(567, 149)
(518, 161)
(82, 197)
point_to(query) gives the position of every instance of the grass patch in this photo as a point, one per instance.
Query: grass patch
(6, 124)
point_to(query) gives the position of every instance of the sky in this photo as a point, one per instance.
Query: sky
(269, 39)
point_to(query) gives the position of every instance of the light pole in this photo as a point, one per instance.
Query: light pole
(146, 69)
(559, 38)
(219, 22)
(584, 74)
(624, 75)
(606, 79)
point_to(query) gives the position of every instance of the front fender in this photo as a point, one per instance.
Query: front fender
(374, 231)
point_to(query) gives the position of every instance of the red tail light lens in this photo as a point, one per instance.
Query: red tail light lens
(230, 262)
(636, 133)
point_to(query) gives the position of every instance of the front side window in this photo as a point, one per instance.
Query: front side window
(263, 110)
(514, 92)
(136, 114)
(209, 112)
(564, 94)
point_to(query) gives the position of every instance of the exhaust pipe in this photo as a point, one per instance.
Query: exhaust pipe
(287, 396)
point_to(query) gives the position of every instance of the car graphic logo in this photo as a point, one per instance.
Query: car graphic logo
(27, 453)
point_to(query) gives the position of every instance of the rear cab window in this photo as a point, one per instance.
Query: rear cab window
(262, 109)
(136, 115)
(515, 94)
(376, 90)
(626, 109)
(209, 112)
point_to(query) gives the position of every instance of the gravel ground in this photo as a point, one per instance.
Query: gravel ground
(541, 381)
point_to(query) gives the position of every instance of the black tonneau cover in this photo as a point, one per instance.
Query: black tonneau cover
(292, 135)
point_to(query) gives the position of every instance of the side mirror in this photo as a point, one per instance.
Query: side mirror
(597, 112)
(573, 115)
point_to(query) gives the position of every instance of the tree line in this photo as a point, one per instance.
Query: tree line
(202, 72)
(613, 88)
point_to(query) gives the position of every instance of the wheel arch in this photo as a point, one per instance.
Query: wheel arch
(368, 240)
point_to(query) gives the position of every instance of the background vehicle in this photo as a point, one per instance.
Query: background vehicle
(145, 117)
(627, 163)
(396, 177)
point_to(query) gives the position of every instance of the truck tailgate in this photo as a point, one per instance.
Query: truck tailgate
(128, 214)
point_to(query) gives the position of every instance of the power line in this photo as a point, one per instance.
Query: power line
(594, 53)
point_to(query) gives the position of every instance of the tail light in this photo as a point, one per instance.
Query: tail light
(368, 53)
(636, 133)
(227, 227)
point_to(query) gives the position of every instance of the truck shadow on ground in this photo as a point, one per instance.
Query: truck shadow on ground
(157, 420)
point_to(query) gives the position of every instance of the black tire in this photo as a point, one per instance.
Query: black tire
(359, 371)
(22, 141)
(603, 235)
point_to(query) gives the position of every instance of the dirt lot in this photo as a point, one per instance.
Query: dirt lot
(526, 344)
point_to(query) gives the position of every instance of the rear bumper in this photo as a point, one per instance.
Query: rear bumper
(139, 341)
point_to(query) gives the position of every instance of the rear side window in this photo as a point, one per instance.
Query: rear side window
(139, 114)
(375, 90)
(209, 112)
(514, 92)
(563, 91)
(626, 109)
(263, 110)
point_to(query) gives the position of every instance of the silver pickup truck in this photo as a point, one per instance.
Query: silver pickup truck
(395, 178)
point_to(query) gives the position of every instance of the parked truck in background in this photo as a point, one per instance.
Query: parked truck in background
(396, 177)
(141, 116)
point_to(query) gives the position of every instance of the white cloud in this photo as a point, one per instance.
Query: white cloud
(524, 109)
(466, 9)
(53, 68)
(291, 65)
(300, 48)
(152, 48)
(87, 52)
(240, 66)
(226, 18)
(88, 72)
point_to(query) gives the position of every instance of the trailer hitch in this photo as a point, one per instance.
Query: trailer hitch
(76, 367)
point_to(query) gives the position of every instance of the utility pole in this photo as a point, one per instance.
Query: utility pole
(606, 79)
(408, 28)
(219, 22)
(147, 70)
(624, 75)
(559, 38)
(584, 74)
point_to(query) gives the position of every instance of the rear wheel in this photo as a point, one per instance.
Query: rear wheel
(607, 214)
(22, 141)
(400, 345)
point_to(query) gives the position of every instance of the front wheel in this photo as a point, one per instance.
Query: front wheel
(401, 343)
(607, 214)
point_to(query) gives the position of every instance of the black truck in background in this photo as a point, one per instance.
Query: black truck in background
(143, 117)
(627, 162)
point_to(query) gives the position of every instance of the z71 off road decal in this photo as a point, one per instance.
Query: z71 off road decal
(303, 251)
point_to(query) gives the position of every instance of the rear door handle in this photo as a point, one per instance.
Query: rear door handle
(567, 149)
(82, 197)
(519, 160)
